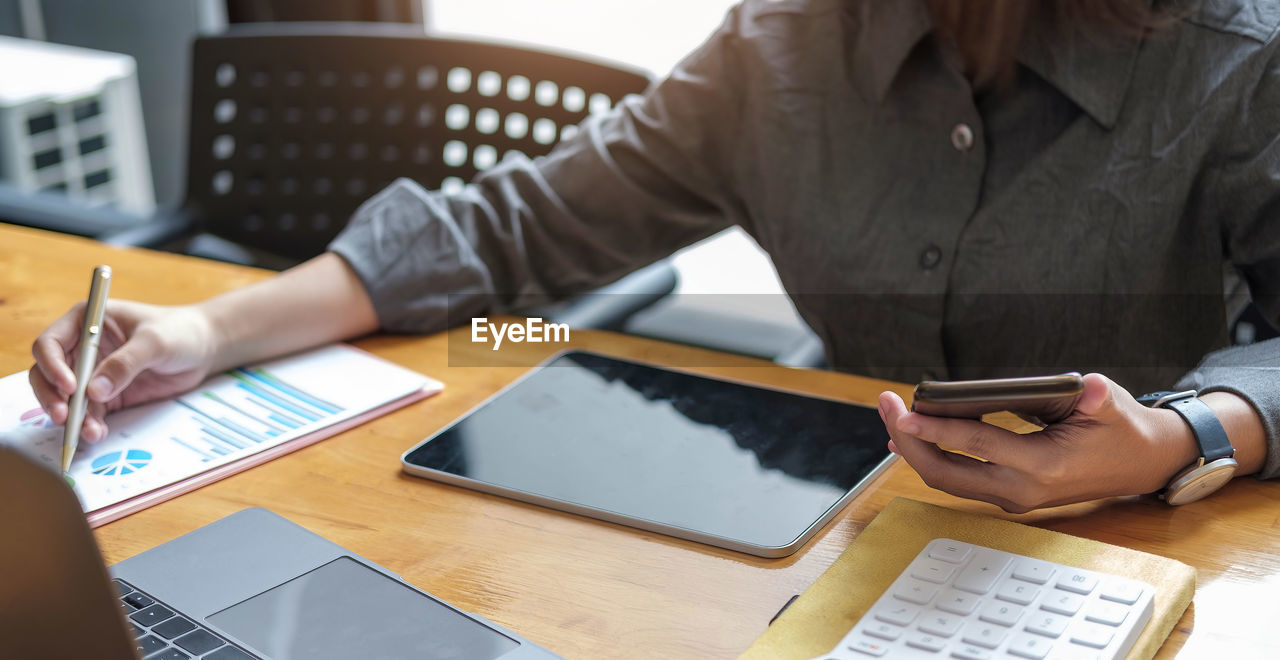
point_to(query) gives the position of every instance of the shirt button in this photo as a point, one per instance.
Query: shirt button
(931, 257)
(962, 137)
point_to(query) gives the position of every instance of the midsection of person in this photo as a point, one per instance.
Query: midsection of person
(1079, 228)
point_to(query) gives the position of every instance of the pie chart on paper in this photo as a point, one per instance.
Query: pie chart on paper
(120, 462)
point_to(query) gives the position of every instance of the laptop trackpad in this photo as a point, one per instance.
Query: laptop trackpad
(344, 609)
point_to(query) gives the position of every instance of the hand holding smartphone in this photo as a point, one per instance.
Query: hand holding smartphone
(1046, 399)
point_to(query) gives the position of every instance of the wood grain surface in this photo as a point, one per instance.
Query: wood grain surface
(580, 587)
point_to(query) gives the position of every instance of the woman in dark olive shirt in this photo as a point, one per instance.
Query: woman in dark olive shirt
(948, 190)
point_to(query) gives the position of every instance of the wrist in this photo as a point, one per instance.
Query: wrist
(219, 334)
(1173, 444)
(1244, 428)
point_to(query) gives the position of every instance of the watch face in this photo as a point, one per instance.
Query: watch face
(1200, 482)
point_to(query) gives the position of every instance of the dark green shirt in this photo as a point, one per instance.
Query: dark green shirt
(1081, 218)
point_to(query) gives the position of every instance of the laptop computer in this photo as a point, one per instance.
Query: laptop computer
(251, 585)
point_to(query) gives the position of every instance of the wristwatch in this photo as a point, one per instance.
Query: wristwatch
(1217, 463)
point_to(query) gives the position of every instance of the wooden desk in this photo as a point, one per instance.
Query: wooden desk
(584, 588)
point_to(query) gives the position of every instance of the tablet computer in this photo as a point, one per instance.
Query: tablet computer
(738, 466)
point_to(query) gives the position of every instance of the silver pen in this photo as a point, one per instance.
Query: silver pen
(86, 360)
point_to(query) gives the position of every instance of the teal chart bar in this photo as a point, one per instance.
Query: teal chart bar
(260, 407)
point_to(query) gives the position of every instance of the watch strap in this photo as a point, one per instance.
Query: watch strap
(1205, 426)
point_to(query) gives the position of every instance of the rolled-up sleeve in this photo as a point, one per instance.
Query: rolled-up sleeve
(1252, 373)
(1245, 193)
(631, 186)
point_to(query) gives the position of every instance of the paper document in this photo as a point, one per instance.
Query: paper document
(229, 417)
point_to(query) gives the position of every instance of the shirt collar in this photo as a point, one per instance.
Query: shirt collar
(887, 31)
(1092, 70)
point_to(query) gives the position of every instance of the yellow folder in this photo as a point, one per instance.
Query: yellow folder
(825, 612)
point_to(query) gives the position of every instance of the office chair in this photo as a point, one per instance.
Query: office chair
(294, 125)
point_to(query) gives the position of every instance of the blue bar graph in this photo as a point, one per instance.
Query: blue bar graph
(206, 456)
(273, 409)
(273, 382)
(293, 408)
(258, 408)
(287, 422)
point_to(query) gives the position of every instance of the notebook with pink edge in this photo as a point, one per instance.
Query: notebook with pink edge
(228, 424)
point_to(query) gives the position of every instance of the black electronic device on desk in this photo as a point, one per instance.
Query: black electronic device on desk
(738, 466)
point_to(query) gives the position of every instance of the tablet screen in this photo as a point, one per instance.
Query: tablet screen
(752, 465)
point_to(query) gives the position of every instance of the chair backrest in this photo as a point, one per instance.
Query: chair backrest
(294, 125)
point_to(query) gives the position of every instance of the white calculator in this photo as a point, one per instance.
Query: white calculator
(959, 600)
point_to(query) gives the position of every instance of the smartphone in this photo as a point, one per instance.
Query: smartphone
(1043, 399)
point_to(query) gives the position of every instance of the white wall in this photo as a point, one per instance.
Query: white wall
(653, 34)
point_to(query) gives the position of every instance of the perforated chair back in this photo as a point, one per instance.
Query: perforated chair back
(294, 125)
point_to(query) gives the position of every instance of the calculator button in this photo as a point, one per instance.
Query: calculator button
(970, 652)
(915, 591)
(1030, 570)
(926, 641)
(981, 573)
(1062, 603)
(1112, 615)
(1077, 581)
(897, 614)
(1069, 652)
(984, 635)
(1001, 613)
(1017, 592)
(943, 625)
(883, 631)
(932, 570)
(1029, 646)
(868, 647)
(950, 551)
(1121, 592)
(1048, 625)
(957, 602)
(1092, 635)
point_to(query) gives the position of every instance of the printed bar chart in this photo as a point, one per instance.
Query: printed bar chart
(258, 407)
(230, 417)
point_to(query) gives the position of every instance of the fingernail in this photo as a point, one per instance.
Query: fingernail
(892, 447)
(99, 388)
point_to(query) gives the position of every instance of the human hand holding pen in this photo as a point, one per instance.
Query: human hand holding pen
(149, 352)
(146, 352)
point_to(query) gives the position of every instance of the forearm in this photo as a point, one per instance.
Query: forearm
(317, 302)
(1244, 429)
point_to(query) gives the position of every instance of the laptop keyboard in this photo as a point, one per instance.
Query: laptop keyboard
(163, 634)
